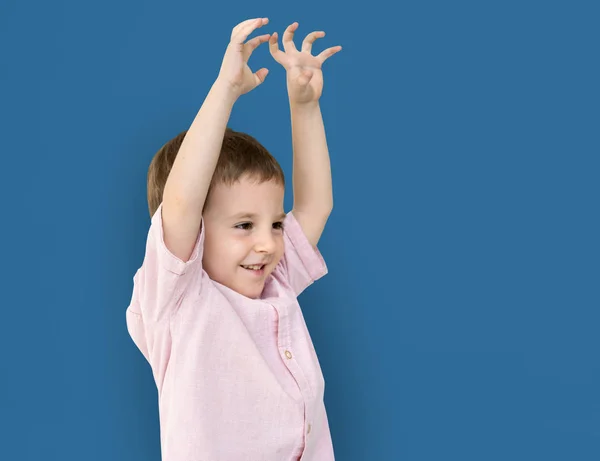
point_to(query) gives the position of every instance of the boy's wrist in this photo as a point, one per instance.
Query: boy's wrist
(226, 92)
(304, 106)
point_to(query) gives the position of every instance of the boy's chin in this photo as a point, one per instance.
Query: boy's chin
(248, 289)
(253, 292)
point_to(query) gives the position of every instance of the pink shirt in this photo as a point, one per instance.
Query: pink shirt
(237, 378)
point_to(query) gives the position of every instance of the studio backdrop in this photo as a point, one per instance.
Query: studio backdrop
(459, 319)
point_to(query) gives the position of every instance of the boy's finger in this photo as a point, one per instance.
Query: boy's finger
(251, 45)
(243, 23)
(324, 55)
(274, 48)
(238, 27)
(242, 34)
(250, 27)
(310, 39)
(288, 37)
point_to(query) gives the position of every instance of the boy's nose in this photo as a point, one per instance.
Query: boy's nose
(265, 243)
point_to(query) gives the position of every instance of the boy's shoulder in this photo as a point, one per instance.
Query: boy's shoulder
(302, 263)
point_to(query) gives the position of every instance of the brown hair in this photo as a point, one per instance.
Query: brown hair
(240, 154)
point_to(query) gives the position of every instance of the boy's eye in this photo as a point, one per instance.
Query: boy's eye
(248, 225)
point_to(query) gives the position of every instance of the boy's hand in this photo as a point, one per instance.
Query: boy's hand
(235, 72)
(304, 75)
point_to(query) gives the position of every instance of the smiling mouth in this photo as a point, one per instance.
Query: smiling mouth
(255, 268)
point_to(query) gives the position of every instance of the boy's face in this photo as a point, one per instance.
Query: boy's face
(243, 226)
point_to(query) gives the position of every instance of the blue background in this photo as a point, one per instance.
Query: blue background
(460, 317)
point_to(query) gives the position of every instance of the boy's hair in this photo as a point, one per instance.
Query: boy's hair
(240, 154)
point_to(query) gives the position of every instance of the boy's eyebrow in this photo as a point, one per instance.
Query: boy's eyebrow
(244, 215)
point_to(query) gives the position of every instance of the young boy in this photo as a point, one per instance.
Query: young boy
(214, 308)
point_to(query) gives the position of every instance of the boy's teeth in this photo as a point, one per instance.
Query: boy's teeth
(252, 267)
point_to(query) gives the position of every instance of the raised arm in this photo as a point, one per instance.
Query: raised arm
(313, 195)
(188, 182)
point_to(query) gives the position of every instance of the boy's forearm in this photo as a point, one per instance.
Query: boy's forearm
(192, 171)
(311, 166)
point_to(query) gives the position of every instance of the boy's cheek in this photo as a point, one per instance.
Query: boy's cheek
(235, 246)
(280, 251)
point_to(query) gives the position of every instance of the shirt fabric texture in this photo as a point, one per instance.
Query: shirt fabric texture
(237, 378)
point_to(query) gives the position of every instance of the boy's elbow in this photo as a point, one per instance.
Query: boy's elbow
(320, 211)
(327, 208)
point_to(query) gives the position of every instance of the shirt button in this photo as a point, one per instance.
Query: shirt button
(288, 354)
(308, 430)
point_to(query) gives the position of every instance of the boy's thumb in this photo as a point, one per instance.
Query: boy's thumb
(305, 76)
(260, 75)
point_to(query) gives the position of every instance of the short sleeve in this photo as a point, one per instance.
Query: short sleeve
(158, 288)
(302, 263)
(160, 258)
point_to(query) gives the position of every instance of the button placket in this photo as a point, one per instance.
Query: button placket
(286, 351)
